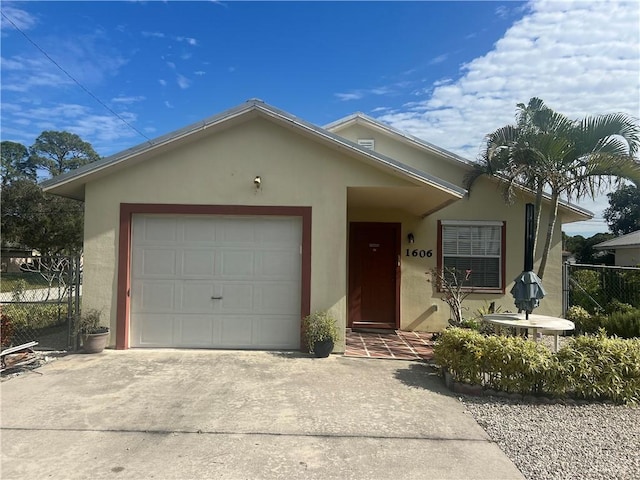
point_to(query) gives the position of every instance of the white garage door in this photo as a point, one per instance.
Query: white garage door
(215, 282)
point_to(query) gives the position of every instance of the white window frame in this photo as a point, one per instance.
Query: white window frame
(467, 246)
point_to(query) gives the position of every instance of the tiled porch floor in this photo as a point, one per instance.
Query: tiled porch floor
(397, 345)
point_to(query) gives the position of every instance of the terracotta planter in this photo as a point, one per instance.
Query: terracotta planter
(94, 342)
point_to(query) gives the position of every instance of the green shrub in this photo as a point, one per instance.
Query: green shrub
(586, 290)
(623, 324)
(617, 306)
(319, 326)
(597, 367)
(583, 320)
(592, 367)
(39, 315)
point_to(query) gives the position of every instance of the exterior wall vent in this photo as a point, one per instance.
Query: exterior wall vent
(367, 143)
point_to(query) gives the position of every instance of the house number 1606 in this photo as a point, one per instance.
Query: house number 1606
(419, 253)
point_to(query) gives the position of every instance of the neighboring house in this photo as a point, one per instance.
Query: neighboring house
(625, 248)
(225, 233)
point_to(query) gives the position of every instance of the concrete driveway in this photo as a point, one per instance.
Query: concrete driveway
(188, 414)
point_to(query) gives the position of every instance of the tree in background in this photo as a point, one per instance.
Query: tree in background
(16, 163)
(34, 219)
(60, 152)
(623, 213)
(570, 158)
(583, 251)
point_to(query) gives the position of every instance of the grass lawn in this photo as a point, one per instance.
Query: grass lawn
(32, 280)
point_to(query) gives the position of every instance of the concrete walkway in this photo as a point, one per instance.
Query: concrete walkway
(188, 414)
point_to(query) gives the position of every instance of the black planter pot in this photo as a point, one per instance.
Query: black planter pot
(323, 348)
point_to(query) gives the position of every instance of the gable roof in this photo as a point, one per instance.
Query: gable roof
(630, 240)
(71, 184)
(363, 119)
(577, 213)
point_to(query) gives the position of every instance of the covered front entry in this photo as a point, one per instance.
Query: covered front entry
(216, 281)
(374, 275)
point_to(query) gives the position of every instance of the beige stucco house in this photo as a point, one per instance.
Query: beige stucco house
(225, 233)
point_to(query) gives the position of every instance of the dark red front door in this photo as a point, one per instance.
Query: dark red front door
(374, 250)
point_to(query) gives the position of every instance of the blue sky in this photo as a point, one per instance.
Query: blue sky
(448, 72)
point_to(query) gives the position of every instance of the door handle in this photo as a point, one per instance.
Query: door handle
(216, 298)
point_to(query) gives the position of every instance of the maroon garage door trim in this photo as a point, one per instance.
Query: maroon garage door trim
(127, 210)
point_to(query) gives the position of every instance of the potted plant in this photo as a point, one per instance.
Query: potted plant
(320, 332)
(94, 336)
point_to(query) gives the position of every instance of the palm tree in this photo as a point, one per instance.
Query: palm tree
(570, 158)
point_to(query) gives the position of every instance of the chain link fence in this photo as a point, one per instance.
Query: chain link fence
(39, 298)
(593, 287)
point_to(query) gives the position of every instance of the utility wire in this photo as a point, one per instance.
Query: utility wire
(74, 80)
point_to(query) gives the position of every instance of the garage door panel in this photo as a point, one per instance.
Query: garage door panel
(279, 331)
(236, 331)
(152, 261)
(198, 263)
(196, 330)
(234, 231)
(196, 297)
(252, 263)
(280, 298)
(158, 229)
(199, 230)
(278, 265)
(238, 264)
(278, 232)
(237, 298)
(152, 330)
(155, 296)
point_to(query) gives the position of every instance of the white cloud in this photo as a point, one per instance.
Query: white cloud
(89, 59)
(189, 40)
(153, 34)
(162, 82)
(438, 59)
(105, 131)
(183, 82)
(168, 104)
(581, 58)
(20, 18)
(199, 73)
(128, 100)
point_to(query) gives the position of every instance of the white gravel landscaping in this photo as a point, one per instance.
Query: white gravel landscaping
(557, 441)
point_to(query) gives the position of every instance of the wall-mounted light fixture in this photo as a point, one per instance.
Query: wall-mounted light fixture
(257, 181)
(411, 238)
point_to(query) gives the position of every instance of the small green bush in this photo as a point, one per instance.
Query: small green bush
(601, 368)
(39, 315)
(319, 326)
(592, 367)
(622, 324)
(616, 306)
(583, 320)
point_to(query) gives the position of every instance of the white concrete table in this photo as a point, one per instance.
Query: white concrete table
(535, 323)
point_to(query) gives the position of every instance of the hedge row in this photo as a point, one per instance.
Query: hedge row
(37, 315)
(587, 367)
(623, 322)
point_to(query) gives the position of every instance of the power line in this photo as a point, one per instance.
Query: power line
(74, 80)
